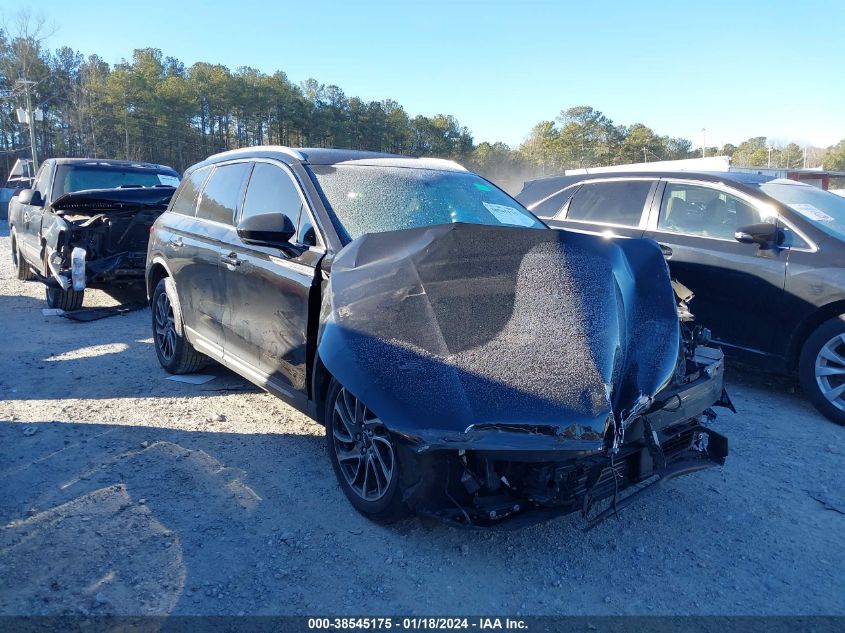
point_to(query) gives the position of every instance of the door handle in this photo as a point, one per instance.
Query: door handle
(667, 251)
(231, 259)
(177, 243)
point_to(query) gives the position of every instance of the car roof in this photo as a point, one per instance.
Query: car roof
(110, 162)
(534, 190)
(331, 156)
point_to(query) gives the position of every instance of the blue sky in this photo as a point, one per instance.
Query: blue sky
(738, 69)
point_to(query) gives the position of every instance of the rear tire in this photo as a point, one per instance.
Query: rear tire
(371, 481)
(821, 369)
(22, 269)
(174, 350)
(67, 300)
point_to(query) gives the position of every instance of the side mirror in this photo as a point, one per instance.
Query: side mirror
(765, 235)
(266, 229)
(31, 197)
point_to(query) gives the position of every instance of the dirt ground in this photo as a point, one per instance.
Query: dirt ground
(122, 492)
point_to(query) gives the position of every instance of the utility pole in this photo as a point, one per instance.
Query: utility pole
(645, 155)
(703, 142)
(30, 119)
(769, 165)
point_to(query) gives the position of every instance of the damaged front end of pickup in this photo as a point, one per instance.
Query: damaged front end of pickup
(522, 373)
(99, 237)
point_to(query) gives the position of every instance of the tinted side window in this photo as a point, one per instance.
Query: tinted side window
(554, 205)
(271, 190)
(704, 211)
(222, 193)
(616, 202)
(185, 199)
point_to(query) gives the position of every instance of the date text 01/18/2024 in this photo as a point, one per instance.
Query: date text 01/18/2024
(416, 623)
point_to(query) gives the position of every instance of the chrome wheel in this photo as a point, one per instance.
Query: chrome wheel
(830, 371)
(362, 447)
(165, 328)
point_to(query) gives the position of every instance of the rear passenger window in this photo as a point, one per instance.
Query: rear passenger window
(185, 200)
(271, 190)
(222, 193)
(615, 202)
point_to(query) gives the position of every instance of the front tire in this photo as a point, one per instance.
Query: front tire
(67, 300)
(363, 456)
(22, 269)
(174, 350)
(821, 369)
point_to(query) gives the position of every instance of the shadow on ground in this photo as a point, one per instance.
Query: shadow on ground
(56, 358)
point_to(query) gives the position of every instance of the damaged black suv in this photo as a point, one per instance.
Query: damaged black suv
(468, 362)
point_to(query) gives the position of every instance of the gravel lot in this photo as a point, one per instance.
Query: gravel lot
(122, 492)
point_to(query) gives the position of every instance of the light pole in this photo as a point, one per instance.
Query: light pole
(30, 119)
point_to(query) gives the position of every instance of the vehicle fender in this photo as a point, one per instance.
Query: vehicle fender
(54, 235)
(14, 211)
(808, 326)
(155, 263)
(51, 241)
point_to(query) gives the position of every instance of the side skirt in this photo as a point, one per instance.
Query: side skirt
(296, 399)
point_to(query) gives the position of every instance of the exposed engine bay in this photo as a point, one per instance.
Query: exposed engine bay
(99, 237)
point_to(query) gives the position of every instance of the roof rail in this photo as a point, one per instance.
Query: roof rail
(267, 148)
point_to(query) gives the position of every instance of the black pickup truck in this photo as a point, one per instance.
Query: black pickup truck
(85, 223)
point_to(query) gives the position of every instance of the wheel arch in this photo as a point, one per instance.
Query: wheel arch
(808, 326)
(158, 270)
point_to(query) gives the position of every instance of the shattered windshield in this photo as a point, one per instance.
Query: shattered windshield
(375, 199)
(823, 209)
(72, 178)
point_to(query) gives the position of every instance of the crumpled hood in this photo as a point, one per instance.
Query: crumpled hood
(114, 199)
(452, 326)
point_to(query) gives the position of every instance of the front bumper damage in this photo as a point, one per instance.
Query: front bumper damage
(99, 237)
(95, 251)
(70, 267)
(489, 474)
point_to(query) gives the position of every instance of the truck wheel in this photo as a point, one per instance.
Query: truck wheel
(821, 369)
(22, 269)
(67, 300)
(363, 457)
(174, 351)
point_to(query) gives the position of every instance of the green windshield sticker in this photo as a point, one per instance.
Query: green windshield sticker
(481, 186)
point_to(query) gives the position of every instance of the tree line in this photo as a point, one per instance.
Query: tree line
(154, 108)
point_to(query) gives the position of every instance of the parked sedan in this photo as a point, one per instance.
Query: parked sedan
(86, 223)
(765, 259)
(467, 362)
